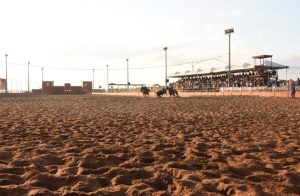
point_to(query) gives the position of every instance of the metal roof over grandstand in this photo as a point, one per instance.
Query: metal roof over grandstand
(274, 65)
(264, 56)
(224, 70)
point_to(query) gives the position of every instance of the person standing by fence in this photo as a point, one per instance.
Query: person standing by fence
(293, 89)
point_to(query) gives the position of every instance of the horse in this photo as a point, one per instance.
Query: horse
(161, 92)
(173, 92)
(145, 91)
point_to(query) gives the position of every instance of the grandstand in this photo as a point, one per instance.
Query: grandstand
(263, 73)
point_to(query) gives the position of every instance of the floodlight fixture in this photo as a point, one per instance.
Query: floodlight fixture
(228, 31)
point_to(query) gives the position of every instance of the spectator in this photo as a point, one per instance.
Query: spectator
(293, 89)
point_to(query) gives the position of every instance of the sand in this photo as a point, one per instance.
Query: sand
(110, 145)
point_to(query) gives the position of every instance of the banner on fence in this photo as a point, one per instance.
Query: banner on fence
(2, 84)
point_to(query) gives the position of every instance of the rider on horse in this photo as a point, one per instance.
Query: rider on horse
(145, 90)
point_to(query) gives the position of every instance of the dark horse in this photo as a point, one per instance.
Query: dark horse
(145, 90)
(173, 92)
(161, 92)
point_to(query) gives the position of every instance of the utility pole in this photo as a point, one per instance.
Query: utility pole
(229, 60)
(6, 55)
(107, 78)
(42, 80)
(28, 77)
(93, 78)
(127, 74)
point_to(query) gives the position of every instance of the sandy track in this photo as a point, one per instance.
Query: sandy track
(102, 145)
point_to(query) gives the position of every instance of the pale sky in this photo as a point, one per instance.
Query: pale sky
(87, 34)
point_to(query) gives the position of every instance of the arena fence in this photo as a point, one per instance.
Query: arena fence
(233, 91)
(283, 91)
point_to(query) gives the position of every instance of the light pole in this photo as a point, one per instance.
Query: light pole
(93, 79)
(42, 80)
(127, 74)
(166, 71)
(229, 31)
(107, 78)
(6, 55)
(28, 76)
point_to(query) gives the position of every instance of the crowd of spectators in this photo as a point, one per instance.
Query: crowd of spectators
(257, 78)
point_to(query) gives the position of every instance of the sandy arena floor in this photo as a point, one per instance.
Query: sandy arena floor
(103, 145)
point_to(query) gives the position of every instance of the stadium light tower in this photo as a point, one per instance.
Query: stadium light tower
(166, 70)
(228, 32)
(6, 55)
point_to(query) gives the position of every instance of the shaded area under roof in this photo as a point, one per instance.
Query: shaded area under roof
(234, 69)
